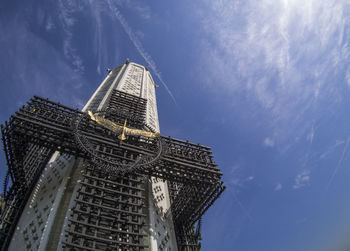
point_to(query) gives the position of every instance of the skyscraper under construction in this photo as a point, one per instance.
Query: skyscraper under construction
(103, 178)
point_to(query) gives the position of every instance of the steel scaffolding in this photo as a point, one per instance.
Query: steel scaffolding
(110, 206)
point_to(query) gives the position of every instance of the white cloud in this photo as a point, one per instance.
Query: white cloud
(278, 187)
(139, 47)
(331, 148)
(143, 10)
(268, 142)
(302, 179)
(98, 46)
(238, 183)
(347, 77)
(236, 179)
(50, 74)
(70, 53)
(67, 10)
(140, 7)
(310, 136)
(49, 25)
(340, 161)
(277, 54)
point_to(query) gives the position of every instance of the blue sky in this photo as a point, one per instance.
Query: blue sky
(265, 83)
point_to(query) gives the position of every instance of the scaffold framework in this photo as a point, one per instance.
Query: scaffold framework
(110, 208)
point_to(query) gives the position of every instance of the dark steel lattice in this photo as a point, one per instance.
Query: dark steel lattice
(109, 213)
(109, 210)
(108, 159)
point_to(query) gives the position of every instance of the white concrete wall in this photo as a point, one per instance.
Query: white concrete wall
(37, 217)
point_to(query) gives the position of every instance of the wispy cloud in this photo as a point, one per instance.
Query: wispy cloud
(143, 10)
(138, 45)
(237, 180)
(332, 148)
(302, 179)
(67, 10)
(310, 136)
(98, 46)
(140, 7)
(239, 183)
(278, 187)
(268, 142)
(277, 54)
(49, 25)
(340, 161)
(242, 207)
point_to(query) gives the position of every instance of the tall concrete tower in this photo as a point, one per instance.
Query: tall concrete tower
(69, 187)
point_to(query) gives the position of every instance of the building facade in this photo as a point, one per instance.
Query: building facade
(56, 199)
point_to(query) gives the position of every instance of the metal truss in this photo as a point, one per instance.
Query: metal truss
(110, 209)
(109, 213)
